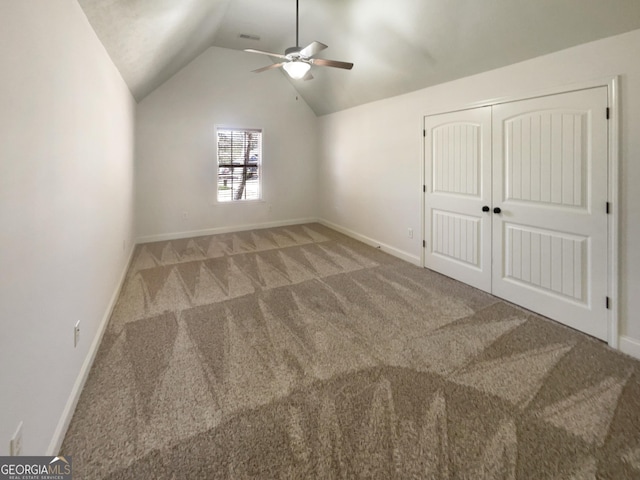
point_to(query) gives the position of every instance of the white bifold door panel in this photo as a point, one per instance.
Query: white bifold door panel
(541, 166)
(458, 185)
(550, 181)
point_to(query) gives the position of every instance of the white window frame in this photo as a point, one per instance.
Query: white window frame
(260, 167)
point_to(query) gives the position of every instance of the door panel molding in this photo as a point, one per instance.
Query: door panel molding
(567, 278)
(456, 236)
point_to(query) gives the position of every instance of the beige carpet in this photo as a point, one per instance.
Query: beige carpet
(297, 352)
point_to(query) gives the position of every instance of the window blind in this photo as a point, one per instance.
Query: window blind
(239, 164)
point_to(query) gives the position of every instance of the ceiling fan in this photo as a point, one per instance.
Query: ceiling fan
(297, 61)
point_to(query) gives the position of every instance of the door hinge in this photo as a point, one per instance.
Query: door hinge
(608, 112)
(608, 303)
(608, 208)
(424, 133)
(424, 188)
(424, 244)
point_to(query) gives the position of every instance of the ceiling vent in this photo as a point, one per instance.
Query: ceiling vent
(247, 36)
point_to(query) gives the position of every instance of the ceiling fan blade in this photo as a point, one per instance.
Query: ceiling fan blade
(261, 52)
(268, 67)
(331, 63)
(312, 49)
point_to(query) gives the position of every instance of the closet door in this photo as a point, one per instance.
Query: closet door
(550, 183)
(458, 186)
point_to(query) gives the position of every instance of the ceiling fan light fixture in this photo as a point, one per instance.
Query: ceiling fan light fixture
(296, 69)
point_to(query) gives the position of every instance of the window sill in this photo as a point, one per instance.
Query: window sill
(239, 202)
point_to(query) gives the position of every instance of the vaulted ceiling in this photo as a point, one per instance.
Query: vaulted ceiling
(397, 46)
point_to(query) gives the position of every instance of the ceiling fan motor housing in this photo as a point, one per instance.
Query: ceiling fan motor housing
(292, 52)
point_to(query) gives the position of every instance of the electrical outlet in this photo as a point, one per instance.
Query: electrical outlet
(411, 233)
(15, 445)
(76, 334)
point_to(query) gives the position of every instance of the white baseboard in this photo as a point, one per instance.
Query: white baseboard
(213, 231)
(630, 346)
(396, 252)
(72, 402)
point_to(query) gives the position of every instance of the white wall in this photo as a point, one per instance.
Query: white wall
(176, 147)
(370, 165)
(66, 193)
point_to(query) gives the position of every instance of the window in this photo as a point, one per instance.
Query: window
(239, 164)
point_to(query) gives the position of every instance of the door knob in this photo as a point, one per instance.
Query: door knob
(497, 210)
(486, 208)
